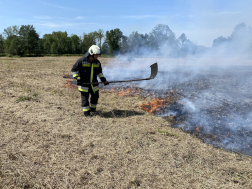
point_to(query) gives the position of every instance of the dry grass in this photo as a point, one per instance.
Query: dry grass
(45, 142)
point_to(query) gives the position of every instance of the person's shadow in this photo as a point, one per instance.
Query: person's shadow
(117, 113)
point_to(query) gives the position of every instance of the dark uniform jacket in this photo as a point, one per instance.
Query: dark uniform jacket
(87, 71)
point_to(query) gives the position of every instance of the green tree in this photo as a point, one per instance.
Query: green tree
(40, 46)
(7, 44)
(113, 38)
(75, 44)
(62, 42)
(105, 48)
(1, 44)
(124, 47)
(12, 45)
(137, 42)
(29, 39)
(54, 48)
(57, 43)
(16, 46)
(100, 35)
(11, 30)
(185, 46)
(88, 40)
(47, 42)
(163, 36)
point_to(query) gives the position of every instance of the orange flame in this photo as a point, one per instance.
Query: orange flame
(129, 92)
(198, 129)
(226, 135)
(155, 105)
(69, 84)
(109, 91)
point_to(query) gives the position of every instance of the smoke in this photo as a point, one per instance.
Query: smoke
(189, 106)
(237, 45)
(215, 87)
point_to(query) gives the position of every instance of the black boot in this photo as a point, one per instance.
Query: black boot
(92, 109)
(87, 113)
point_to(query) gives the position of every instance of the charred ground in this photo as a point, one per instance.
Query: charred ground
(217, 101)
(45, 142)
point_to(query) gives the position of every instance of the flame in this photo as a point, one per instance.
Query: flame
(226, 135)
(151, 106)
(129, 92)
(70, 84)
(198, 128)
(109, 90)
(155, 105)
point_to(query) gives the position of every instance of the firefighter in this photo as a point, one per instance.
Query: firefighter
(86, 70)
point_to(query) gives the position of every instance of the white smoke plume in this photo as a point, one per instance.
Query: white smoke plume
(216, 86)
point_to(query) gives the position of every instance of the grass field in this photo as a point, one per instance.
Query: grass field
(45, 142)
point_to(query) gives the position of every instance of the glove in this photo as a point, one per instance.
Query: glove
(77, 78)
(106, 83)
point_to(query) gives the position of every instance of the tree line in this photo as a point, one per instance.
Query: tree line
(25, 40)
(239, 42)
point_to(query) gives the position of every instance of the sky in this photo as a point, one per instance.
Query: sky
(202, 21)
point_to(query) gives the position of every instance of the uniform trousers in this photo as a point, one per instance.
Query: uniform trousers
(93, 100)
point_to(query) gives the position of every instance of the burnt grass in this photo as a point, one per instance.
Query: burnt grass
(46, 142)
(222, 97)
(223, 119)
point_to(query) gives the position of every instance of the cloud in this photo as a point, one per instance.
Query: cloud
(229, 13)
(141, 16)
(61, 22)
(49, 24)
(79, 18)
(70, 25)
(57, 6)
(105, 16)
(42, 17)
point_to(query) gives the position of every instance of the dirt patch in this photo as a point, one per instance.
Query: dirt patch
(45, 142)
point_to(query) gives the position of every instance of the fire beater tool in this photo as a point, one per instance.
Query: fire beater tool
(154, 70)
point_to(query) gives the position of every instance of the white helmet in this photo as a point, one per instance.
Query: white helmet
(94, 49)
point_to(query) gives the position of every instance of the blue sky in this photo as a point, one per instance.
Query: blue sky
(201, 20)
